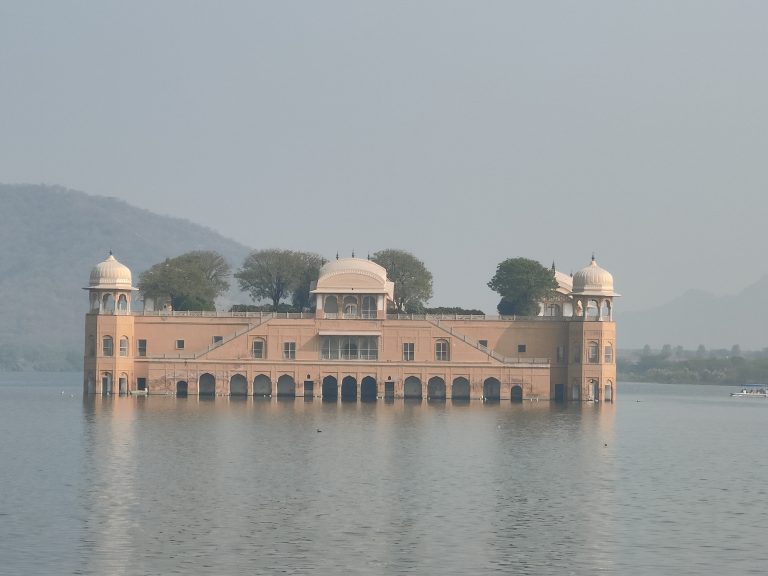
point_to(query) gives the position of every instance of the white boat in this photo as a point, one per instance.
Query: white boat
(752, 391)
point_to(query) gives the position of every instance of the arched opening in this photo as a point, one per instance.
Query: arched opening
(369, 307)
(368, 388)
(593, 311)
(608, 358)
(594, 386)
(516, 394)
(460, 389)
(181, 388)
(108, 304)
(559, 392)
(436, 388)
(331, 305)
(551, 310)
(238, 385)
(286, 386)
(568, 309)
(122, 383)
(106, 383)
(608, 397)
(349, 388)
(124, 346)
(207, 385)
(412, 387)
(262, 385)
(350, 306)
(122, 303)
(330, 388)
(605, 310)
(491, 389)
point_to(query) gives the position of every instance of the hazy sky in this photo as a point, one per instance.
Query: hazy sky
(466, 132)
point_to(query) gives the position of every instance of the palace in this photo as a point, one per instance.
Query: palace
(351, 347)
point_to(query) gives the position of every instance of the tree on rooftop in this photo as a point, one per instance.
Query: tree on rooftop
(413, 282)
(522, 283)
(275, 275)
(191, 281)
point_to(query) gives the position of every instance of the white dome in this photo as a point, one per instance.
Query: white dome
(593, 281)
(353, 275)
(111, 274)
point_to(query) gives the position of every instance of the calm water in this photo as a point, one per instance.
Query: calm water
(670, 480)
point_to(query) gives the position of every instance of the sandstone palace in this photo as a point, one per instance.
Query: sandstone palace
(351, 348)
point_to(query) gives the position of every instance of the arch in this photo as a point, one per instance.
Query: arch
(124, 346)
(349, 388)
(286, 386)
(122, 303)
(551, 309)
(181, 388)
(608, 356)
(368, 388)
(608, 394)
(516, 394)
(593, 310)
(238, 385)
(206, 386)
(262, 385)
(122, 384)
(436, 388)
(108, 303)
(491, 389)
(412, 387)
(460, 388)
(605, 310)
(330, 388)
(594, 389)
(331, 305)
(350, 306)
(107, 346)
(106, 383)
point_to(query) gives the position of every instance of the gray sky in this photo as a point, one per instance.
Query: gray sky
(465, 132)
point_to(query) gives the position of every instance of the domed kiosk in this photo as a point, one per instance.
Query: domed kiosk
(352, 288)
(593, 292)
(110, 287)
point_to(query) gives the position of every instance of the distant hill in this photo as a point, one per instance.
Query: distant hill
(50, 239)
(698, 317)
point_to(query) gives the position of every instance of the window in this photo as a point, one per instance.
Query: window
(218, 339)
(350, 307)
(369, 348)
(483, 343)
(142, 347)
(408, 348)
(179, 344)
(608, 354)
(369, 307)
(521, 348)
(349, 347)
(289, 350)
(106, 346)
(124, 346)
(593, 353)
(141, 383)
(257, 349)
(442, 351)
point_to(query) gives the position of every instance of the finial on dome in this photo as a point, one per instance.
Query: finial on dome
(353, 252)
(369, 255)
(337, 254)
(110, 251)
(593, 256)
(553, 266)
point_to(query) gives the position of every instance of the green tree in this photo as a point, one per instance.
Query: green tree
(191, 281)
(413, 282)
(275, 275)
(522, 283)
(307, 270)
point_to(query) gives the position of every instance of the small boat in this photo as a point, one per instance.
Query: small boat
(752, 391)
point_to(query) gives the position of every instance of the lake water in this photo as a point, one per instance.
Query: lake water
(671, 479)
